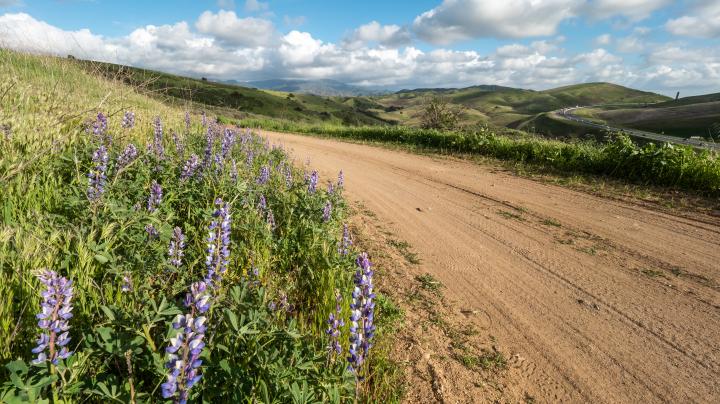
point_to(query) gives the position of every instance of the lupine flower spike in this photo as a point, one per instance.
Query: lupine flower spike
(346, 242)
(177, 245)
(187, 121)
(127, 285)
(264, 175)
(128, 156)
(151, 231)
(185, 348)
(128, 121)
(158, 139)
(56, 310)
(333, 331)
(313, 181)
(218, 251)
(97, 176)
(155, 196)
(327, 211)
(190, 167)
(341, 180)
(362, 309)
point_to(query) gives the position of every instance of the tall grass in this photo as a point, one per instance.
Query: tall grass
(266, 327)
(665, 165)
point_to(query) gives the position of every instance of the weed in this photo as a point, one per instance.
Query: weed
(651, 272)
(403, 248)
(510, 215)
(551, 222)
(429, 283)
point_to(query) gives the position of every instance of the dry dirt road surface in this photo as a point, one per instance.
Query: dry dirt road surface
(604, 301)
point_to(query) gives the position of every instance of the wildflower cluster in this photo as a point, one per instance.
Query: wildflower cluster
(345, 242)
(56, 310)
(177, 245)
(335, 322)
(128, 156)
(190, 167)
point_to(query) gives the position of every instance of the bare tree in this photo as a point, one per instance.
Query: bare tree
(439, 113)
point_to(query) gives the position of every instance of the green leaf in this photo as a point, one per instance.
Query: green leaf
(233, 319)
(108, 312)
(101, 258)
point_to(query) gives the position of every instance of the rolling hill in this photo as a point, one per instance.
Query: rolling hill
(236, 101)
(317, 87)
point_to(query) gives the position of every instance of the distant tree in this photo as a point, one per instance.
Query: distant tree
(439, 113)
(203, 78)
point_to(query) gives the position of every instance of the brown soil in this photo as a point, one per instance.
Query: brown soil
(549, 294)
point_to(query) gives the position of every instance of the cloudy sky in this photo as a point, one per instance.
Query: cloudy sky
(656, 45)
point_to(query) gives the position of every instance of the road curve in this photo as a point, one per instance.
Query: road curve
(566, 113)
(605, 301)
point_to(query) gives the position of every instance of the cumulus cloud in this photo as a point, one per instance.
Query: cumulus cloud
(198, 50)
(227, 27)
(386, 35)
(634, 10)
(703, 22)
(457, 20)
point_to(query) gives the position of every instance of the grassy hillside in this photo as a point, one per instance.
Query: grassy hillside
(107, 206)
(504, 106)
(236, 101)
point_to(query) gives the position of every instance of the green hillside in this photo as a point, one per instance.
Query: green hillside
(237, 101)
(505, 106)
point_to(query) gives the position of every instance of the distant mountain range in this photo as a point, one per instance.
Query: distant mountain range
(325, 87)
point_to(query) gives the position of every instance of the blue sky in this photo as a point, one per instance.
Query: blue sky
(656, 45)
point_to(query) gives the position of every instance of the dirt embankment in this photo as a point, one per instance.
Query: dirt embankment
(565, 296)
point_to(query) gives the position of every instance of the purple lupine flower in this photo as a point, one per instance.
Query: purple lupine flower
(262, 204)
(330, 189)
(179, 147)
(218, 251)
(341, 180)
(175, 250)
(204, 119)
(228, 142)
(233, 171)
(190, 167)
(333, 331)
(288, 177)
(345, 242)
(128, 121)
(209, 141)
(56, 310)
(187, 121)
(312, 182)
(217, 158)
(250, 158)
(264, 175)
(271, 219)
(128, 156)
(97, 175)
(151, 231)
(155, 197)
(327, 211)
(158, 139)
(362, 314)
(127, 285)
(186, 346)
(100, 126)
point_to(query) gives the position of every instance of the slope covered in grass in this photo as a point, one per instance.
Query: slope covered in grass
(239, 315)
(505, 106)
(235, 100)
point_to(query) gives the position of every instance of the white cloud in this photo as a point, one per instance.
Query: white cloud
(457, 20)
(244, 32)
(374, 32)
(703, 22)
(634, 10)
(197, 50)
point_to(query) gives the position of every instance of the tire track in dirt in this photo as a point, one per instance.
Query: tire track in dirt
(603, 300)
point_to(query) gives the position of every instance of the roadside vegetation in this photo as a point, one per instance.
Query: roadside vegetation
(148, 254)
(619, 157)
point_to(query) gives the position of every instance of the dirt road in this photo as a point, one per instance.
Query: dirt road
(601, 301)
